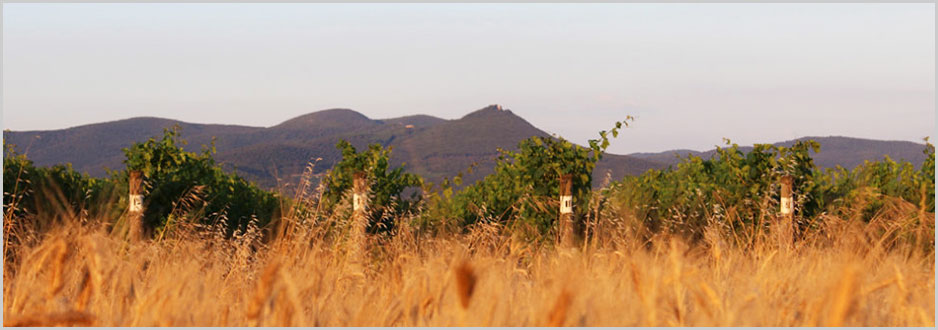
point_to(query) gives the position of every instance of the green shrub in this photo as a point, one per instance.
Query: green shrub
(739, 188)
(52, 192)
(176, 180)
(386, 185)
(733, 185)
(525, 184)
(869, 182)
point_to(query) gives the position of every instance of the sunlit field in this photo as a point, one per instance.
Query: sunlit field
(846, 273)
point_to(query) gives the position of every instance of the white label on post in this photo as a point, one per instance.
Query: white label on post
(136, 203)
(566, 204)
(786, 205)
(357, 202)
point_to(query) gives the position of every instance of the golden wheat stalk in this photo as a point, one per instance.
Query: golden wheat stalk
(558, 313)
(465, 283)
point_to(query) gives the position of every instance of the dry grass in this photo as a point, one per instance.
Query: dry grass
(845, 274)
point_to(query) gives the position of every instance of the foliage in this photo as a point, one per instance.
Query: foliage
(386, 185)
(176, 180)
(731, 185)
(525, 184)
(48, 191)
(869, 184)
(738, 189)
(438, 205)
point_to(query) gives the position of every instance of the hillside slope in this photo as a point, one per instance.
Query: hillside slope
(429, 146)
(432, 147)
(847, 152)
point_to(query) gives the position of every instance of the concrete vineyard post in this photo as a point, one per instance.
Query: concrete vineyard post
(135, 208)
(787, 210)
(566, 210)
(359, 204)
(786, 205)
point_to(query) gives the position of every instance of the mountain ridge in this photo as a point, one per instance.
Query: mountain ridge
(430, 146)
(844, 151)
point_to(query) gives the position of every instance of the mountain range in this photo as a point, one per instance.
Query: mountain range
(835, 151)
(432, 147)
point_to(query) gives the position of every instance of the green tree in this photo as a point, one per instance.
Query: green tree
(386, 185)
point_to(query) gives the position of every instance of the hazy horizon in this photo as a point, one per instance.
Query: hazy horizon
(691, 74)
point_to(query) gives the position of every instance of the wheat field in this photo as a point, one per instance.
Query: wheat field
(846, 273)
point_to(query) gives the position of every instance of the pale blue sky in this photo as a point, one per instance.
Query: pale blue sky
(690, 73)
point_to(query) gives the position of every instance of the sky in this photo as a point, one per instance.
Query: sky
(691, 74)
